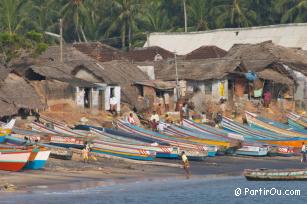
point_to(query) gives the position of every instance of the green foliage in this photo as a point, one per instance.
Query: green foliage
(13, 45)
(35, 36)
(124, 23)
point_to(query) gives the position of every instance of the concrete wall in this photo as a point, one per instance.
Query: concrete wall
(289, 35)
(83, 74)
(149, 70)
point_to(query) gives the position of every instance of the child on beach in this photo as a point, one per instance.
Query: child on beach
(303, 159)
(186, 165)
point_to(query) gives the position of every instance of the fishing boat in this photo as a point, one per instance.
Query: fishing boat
(13, 160)
(297, 121)
(193, 151)
(211, 130)
(295, 142)
(39, 127)
(162, 151)
(122, 151)
(5, 129)
(247, 132)
(56, 152)
(38, 156)
(38, 159)
(198, 137)
(282, 151)
(248, 150)
(275, 174)
(261, 123)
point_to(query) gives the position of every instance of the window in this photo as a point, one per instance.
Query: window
(112, 94)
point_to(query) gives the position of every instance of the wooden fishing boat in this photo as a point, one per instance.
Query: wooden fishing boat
(282, 151)
(193, 151)
(259, 123)
(275, 174)
(122, 151)
(13, 160)
(247, 132)
(39, 127)
(198, 137)
(38, 156)
(297, 121)
(38, 159)
(56, 152)
(211, 130)
(248, 150)
(162, 151)
(6, 129)
(293, 142)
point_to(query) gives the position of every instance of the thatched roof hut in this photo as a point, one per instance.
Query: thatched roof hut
(119, 72)
(16, 93)
(197, 70)
(269, 61)
(99, 51)
(205, 52)
(262, 55)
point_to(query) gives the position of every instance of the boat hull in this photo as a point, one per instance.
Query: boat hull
(39, 160)
(2, 138)
(122, 154)
(13, 161)
(275, 175)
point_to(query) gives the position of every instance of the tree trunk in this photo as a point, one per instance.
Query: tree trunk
(185, 16)
(124, 37)
(129, 37)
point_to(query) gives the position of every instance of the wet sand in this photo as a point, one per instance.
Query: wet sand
(60, 175)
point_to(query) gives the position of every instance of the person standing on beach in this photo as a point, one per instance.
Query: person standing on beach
(186, 164)
(85, 153)
(303, 159)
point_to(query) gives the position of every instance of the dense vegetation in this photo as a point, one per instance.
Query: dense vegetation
(124, 23)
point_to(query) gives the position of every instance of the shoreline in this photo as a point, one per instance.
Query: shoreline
(59, 175)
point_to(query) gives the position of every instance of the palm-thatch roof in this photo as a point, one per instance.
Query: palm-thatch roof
(120, 72)
(195, 69)
(16, 93)
(269, 61)
(259, 56)
(157, 84)
(148, 54)
(205, 52)
(99, 51)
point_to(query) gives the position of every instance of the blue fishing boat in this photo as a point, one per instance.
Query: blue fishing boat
(258, 122)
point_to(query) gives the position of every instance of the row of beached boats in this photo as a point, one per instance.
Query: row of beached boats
(16, 157)
(261, 137)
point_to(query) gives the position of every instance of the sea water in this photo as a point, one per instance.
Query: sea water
(168, 191)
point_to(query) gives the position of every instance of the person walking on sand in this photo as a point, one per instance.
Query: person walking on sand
(303, 159)
(186, 164)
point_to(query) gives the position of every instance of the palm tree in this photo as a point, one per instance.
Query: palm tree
(127, 12)
(296, 11)
(155, 17)
(234, 13)
(75, 13)
(13, 15)
(45, 15)
(200, 14)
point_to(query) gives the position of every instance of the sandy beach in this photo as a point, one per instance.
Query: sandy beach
(60, 175)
